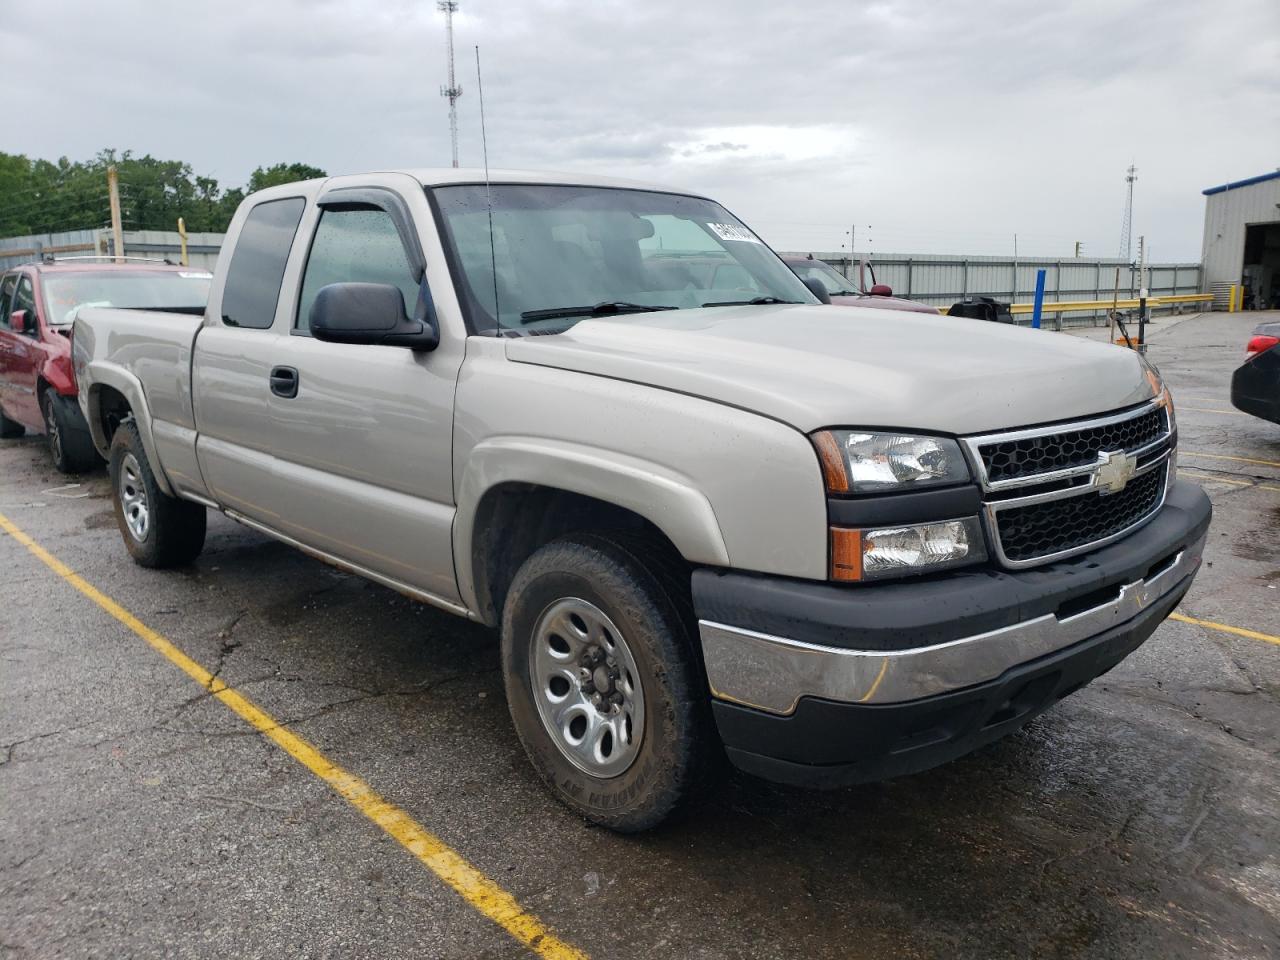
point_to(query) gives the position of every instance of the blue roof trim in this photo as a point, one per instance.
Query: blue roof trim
(1242, 183)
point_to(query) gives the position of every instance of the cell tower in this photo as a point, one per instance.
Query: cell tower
(1126, 227)
(452, 91)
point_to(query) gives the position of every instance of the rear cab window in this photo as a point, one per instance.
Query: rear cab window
(257, 267)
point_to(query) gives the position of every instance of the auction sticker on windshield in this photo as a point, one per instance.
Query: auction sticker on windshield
(731, 231)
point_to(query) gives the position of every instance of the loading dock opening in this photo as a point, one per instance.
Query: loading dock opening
(1261, 274)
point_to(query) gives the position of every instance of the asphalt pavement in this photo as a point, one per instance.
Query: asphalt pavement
(142, 816)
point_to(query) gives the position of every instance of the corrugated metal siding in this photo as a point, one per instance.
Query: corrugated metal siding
(1226, 214)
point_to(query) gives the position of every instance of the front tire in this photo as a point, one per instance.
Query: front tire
(159, 530)
(70, 445)
(603, 682)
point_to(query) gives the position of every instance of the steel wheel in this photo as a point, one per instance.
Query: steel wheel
(586, 687)
(133, 498)
(51, 428)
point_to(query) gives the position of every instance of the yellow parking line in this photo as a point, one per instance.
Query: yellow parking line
(1219, 456)
(1231, 413)
(1234, 483)
(450, 866)
(1226, 628)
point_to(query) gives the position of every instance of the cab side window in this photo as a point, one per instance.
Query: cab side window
(25, 299)
(257, 266)
(355, 243)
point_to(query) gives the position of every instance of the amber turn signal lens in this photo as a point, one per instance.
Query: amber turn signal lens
(833, 470)
(846, 554)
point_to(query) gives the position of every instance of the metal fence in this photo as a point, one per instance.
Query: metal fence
(935, 279)
(202, 248)
(941, 280)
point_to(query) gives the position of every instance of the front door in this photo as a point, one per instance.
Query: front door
(364, 447)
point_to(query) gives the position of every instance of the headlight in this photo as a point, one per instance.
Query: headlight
(902, 551)
(857, 462)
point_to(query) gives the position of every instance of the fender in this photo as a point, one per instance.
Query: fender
(665, 498)
(98, 375)
(56, 372)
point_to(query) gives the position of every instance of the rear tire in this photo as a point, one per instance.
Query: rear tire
(603, 679)
(159, 530)
(70, 445)
(9, 429)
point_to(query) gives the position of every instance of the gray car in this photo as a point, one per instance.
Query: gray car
(708, 515)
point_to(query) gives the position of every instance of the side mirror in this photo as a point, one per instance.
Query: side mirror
(881, 290)
(19, 321)
(817, 289)
(368, 313)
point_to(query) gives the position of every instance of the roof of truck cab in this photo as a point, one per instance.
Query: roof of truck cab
(442, 176)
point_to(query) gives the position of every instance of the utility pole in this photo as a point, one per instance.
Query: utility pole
(113, 196)
(1142, 294)
(853, 235)
(452, 91)
(1078, 246)
(1126, 225)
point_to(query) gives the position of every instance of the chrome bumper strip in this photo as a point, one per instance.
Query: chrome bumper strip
(772, 673)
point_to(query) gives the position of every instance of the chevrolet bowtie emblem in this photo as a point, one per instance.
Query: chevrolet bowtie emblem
(1115, 470)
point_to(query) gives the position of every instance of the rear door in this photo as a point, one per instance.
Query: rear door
(232, 363)
(364, 447)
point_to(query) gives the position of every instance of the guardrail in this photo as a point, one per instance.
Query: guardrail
(1099, 306)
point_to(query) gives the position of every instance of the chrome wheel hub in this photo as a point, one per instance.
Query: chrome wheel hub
(586, 687)
(133, 498)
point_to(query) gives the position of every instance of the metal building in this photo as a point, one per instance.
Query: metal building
(1242, 240)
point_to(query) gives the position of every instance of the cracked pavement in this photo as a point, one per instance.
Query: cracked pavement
(140, 817)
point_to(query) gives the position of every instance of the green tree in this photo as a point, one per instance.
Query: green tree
(42, 196)
(280, 173)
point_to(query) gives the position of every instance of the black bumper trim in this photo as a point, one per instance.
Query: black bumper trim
(828, 744)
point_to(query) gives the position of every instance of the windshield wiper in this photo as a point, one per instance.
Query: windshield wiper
(752, 302)
(595, 310)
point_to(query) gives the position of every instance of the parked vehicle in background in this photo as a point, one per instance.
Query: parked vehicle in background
(846, 293)
(1255, 386)
(707, 514)
(38, 305)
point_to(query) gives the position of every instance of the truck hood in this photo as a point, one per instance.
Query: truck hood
(812, 366)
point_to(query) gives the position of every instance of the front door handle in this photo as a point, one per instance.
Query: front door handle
(284, 381)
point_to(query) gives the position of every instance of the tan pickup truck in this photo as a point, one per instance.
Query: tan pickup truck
(709, 516)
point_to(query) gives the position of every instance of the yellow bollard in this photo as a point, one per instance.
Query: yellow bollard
(182, 236)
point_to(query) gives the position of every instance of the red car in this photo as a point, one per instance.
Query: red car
(38, 304)
(842, 290)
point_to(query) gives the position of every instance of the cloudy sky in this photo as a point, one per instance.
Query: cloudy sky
(944, 126)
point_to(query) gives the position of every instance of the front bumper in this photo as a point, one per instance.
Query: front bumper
(828, 684)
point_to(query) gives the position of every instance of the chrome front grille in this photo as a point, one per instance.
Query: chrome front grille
(1055, 491)
(1072, 447)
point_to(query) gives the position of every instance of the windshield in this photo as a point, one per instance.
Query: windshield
(66, 293)
(572, 249)
(825, 274)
